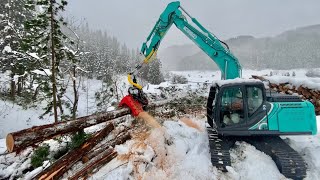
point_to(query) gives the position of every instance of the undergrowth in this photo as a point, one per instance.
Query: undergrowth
(40, 155)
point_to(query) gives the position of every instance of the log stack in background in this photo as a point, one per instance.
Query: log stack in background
(312, 95)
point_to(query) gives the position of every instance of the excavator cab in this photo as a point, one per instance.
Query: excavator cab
(233, 108)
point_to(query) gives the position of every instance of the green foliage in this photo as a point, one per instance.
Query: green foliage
(179, 79)
(152, 72)
(78, 139)
(40, 155)
(46, 39)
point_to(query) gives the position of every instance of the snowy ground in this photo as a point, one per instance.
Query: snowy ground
(183, 151)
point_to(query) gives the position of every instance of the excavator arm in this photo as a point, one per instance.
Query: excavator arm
(209, 43)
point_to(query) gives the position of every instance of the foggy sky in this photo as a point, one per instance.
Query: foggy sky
(132, 20)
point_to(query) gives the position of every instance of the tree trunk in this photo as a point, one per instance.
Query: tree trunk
(19, 86)
(58, 168)
(95, 164)
(75, 94)
(13, 86)
(19, 140)
(36, 92)
(53, 64)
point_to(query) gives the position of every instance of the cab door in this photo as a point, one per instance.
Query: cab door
(257, 105)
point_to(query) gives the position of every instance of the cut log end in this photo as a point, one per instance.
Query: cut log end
(85, 159)
(10, 142)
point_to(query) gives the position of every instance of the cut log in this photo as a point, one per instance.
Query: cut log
(120, 139)
(95, 164)
(62, 165)
(19, 140)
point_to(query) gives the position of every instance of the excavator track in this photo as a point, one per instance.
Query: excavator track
(288, 161)
(219, 149)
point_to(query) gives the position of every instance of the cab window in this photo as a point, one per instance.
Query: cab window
(255, 99)
(232, 106)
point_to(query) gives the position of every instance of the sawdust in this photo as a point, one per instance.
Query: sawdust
(139, 143)
(157, 141)
(125, 157)
(149, 119)
(190, 123)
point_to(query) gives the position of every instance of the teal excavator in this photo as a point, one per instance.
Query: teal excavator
(237, 109)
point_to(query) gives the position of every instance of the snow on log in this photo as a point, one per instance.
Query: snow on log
(120, 139)
(95, 164)
(294, 86)
(58, 168)
(19, 140)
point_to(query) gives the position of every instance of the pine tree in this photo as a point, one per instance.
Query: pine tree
(12, 15)
(46, 40)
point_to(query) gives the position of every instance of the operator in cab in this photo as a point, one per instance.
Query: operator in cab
(235, 109)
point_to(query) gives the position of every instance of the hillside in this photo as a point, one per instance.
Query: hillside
(300, 46)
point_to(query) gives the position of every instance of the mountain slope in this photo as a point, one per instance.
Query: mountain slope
(291, 49)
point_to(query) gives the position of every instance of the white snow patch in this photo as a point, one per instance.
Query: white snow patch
(311, 83)
(44, 72)
(233, 81)
(7, 49)
(250, 163)
(34, 55)
(3, 146)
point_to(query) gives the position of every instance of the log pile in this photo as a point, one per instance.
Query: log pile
(312, 95)
(92, 154)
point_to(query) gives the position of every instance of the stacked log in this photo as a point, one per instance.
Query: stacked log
(312, 95)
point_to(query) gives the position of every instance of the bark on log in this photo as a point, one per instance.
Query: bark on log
(120, 139)
(19, 140)
(95, 164)
(62, 165)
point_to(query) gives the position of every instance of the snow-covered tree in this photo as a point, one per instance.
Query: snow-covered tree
(12, 15)
(46, 41)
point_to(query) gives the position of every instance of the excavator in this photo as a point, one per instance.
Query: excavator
(237, 109)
